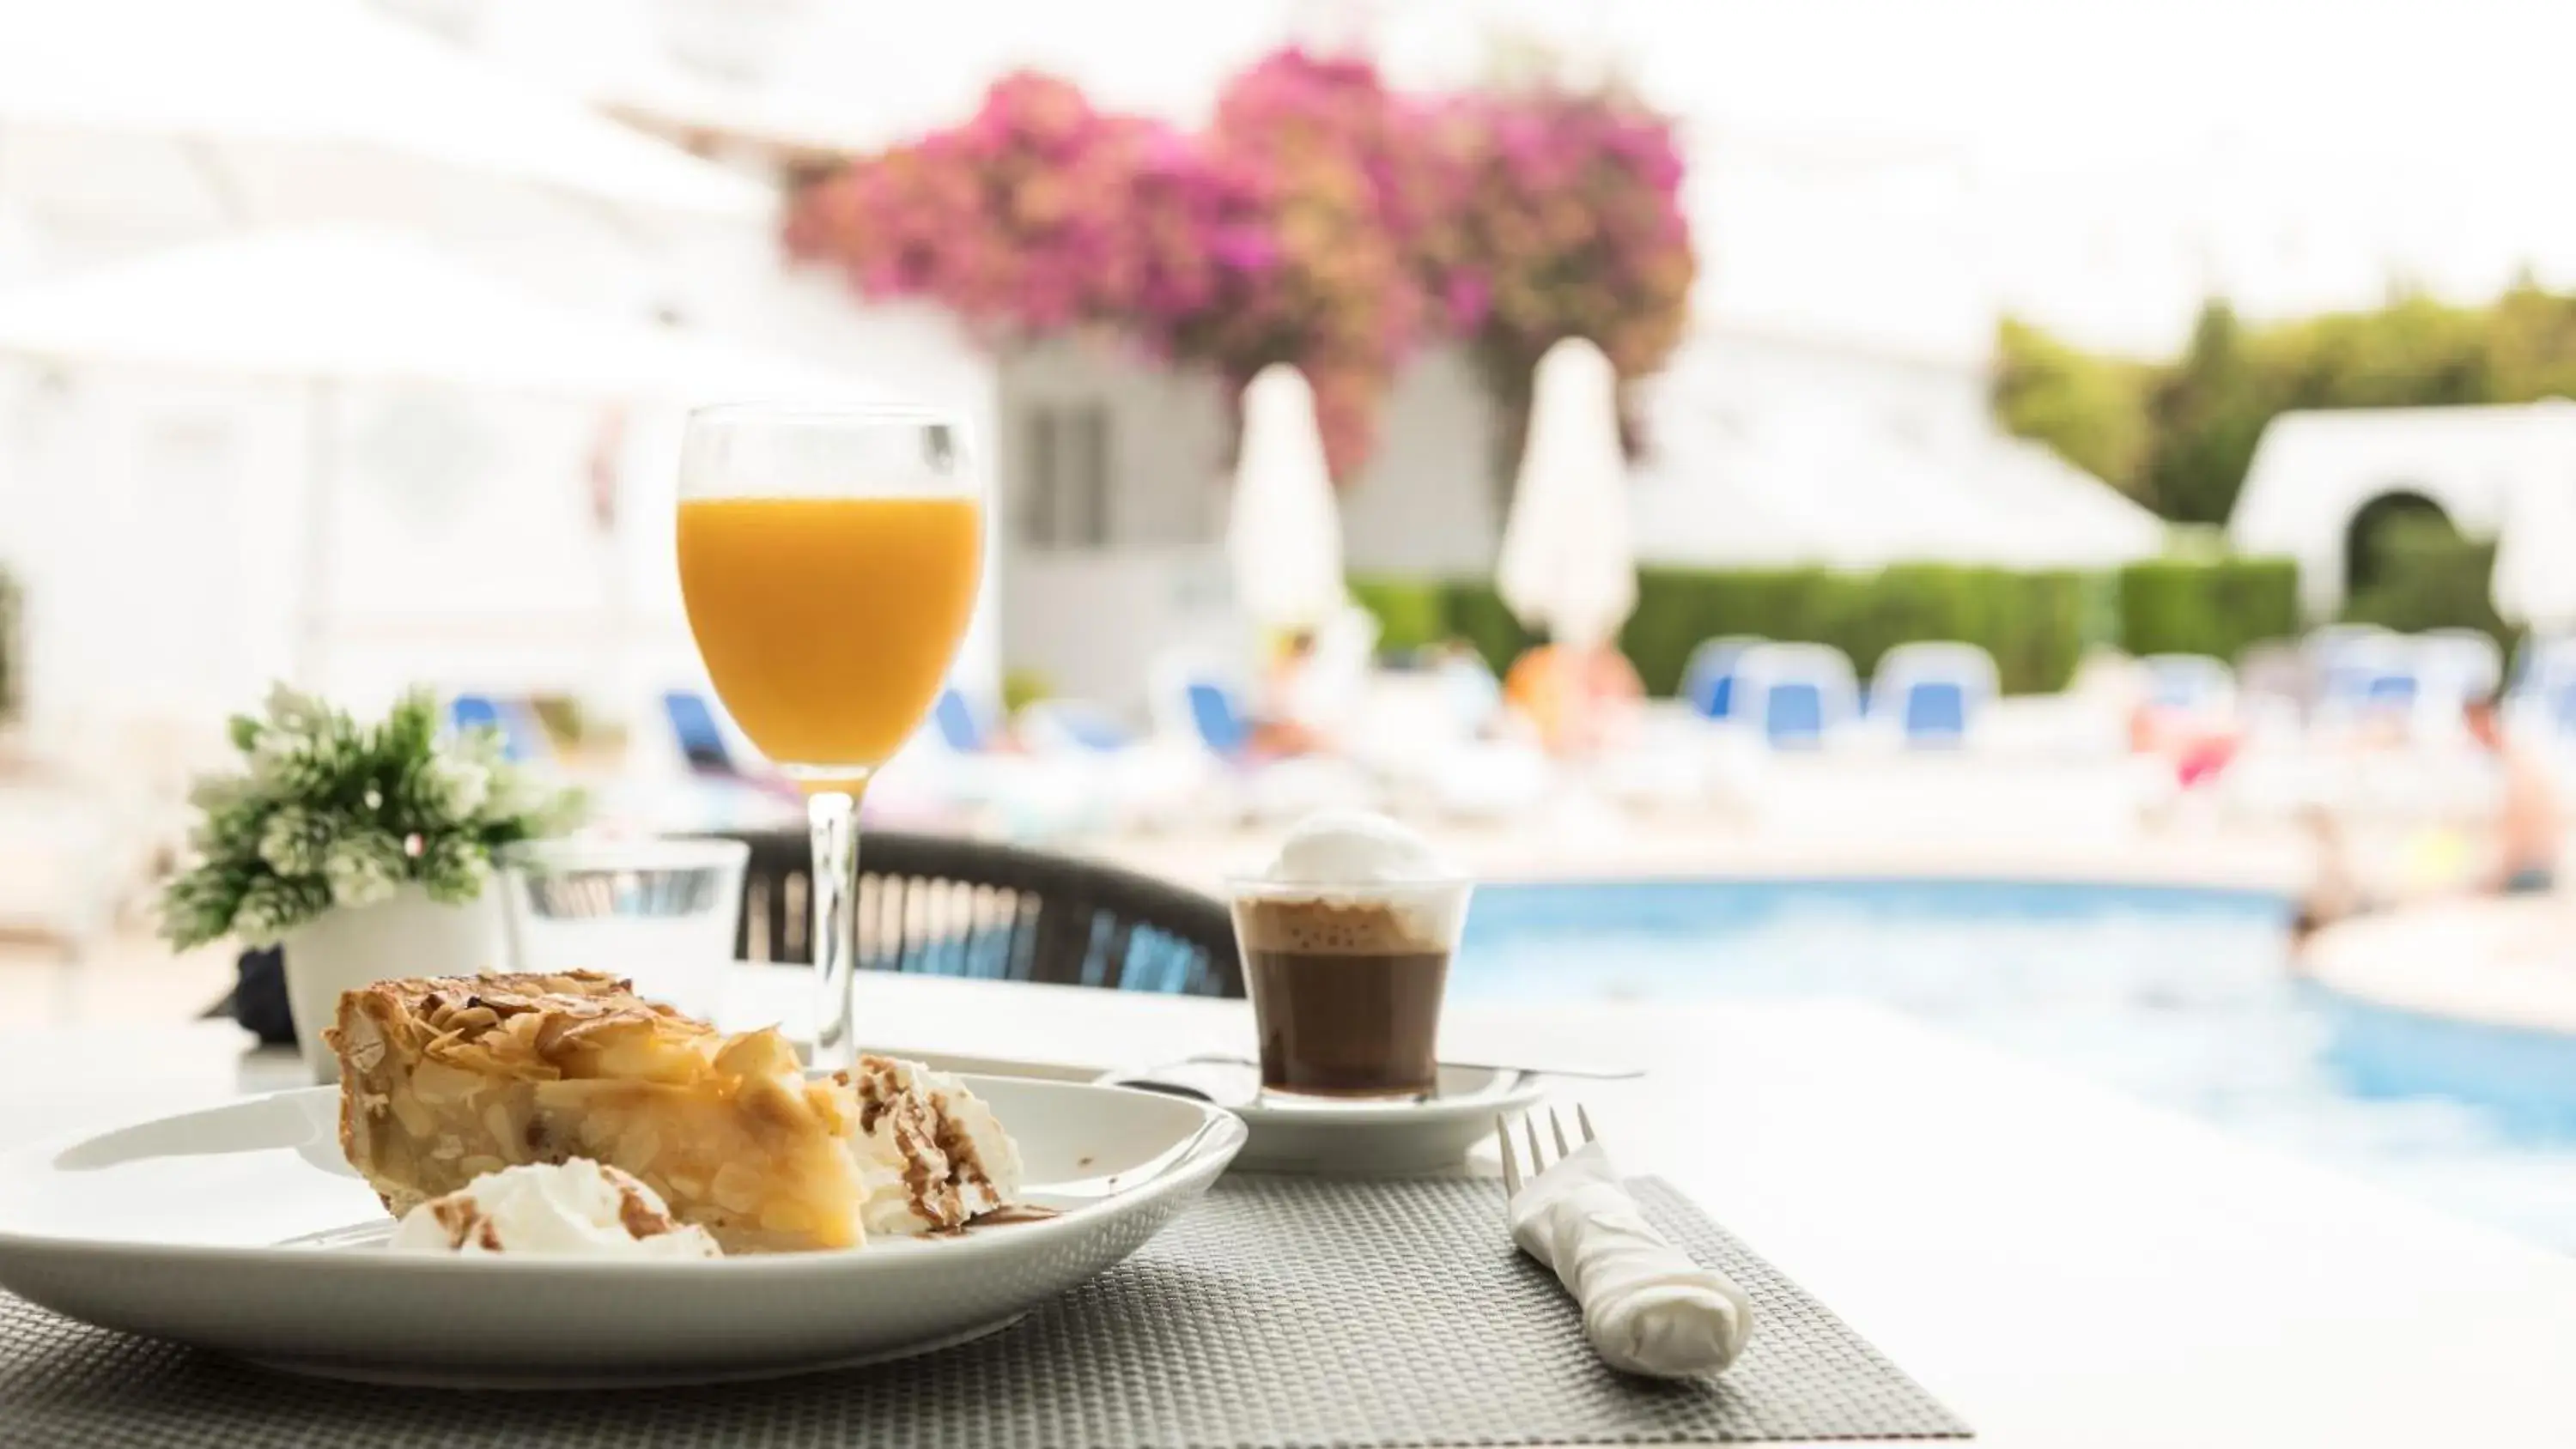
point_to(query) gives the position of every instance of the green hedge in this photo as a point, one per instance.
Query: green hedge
(2036, 624)
(1478, 615)
(2212, 606)
(2429, 577)
(2030, 622)
(1411, 613)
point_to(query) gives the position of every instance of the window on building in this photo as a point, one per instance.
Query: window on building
(1066, 503)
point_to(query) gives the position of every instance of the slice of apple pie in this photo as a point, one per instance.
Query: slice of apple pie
(444, 1079)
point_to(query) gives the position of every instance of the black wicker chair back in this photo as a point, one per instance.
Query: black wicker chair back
(945, 906)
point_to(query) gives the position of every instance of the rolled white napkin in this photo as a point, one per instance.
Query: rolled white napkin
(1647, 1308)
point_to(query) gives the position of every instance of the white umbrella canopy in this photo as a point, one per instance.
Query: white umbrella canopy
(318, 308)
(363, 304)
(261, 85)
(1567, 562)
(1285, 536)
(1871, 505)
(1701, 515)
(2534, 581)
(2062, 516)
(1834, 501)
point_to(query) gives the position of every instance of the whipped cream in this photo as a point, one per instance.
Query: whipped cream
(572, 1209)
(1354, 847)
(932, 1157)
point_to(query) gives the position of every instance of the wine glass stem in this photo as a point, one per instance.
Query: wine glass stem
(833, 816)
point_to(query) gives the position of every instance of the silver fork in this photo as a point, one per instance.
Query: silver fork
(1538, 1161)
(1586, 1230)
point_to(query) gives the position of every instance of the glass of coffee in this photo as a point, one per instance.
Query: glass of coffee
(1346, 982)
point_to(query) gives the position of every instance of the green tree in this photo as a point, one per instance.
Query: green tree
(2090, 408)
(2207, 412)
(2413, 352)
(2531, 343)
(2179, 435)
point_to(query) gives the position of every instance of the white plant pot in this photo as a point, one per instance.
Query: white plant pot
(409, 935)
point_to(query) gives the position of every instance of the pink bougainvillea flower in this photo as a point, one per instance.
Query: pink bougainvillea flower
(1321, 219)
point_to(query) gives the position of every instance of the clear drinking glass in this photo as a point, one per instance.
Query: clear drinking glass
(829, 561)
(663, 913)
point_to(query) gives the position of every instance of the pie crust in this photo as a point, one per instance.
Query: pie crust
(446, 1078)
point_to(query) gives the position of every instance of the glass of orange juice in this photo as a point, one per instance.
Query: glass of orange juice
(829, 560)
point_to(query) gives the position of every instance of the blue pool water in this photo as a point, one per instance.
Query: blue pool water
(2180, 997)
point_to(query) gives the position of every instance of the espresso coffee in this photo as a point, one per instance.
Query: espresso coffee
(1346, 994)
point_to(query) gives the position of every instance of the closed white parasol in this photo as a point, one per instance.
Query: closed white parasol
(1568, 564)
(1285, 536)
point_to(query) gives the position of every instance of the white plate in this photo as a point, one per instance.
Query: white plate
(1291, 1134)
(241, 1229)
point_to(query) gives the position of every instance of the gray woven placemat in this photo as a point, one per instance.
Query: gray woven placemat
(1282, 1312)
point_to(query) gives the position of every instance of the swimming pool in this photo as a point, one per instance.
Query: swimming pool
(2179, 997)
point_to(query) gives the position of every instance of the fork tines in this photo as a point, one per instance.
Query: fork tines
(1538, 1158)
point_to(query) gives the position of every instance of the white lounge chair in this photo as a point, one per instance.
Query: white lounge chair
(1930, 693)
(1709, 675)
(959, 757)
(1796, 696)
(2463, 662)
(2543, 696)
(2366, 680)
(1201, 706)
(2455, 666)
(2190, 684)
(2322, 643)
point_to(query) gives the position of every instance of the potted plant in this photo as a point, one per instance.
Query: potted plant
(362, 850)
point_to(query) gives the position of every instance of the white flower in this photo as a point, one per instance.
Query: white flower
(294, 841)
(294, 712)
(197, 907)
(453, 789)
(514, 794)
(273, 906)
(480, 745)
(455, 868)
(362, 869)
(271, 753)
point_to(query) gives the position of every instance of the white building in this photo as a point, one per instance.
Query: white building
(2317, 476)
(1829, 405)
(1835, 372)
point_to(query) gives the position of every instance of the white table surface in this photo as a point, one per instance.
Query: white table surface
(2062, 1267)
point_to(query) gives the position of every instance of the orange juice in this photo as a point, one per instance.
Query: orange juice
(828, 624)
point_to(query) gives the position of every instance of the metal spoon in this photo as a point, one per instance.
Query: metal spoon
(1224, 1088)
(1233, 1084)
(1588, 1074)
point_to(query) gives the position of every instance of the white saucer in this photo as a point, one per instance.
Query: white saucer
(240, 1229)
(1317, 1134)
